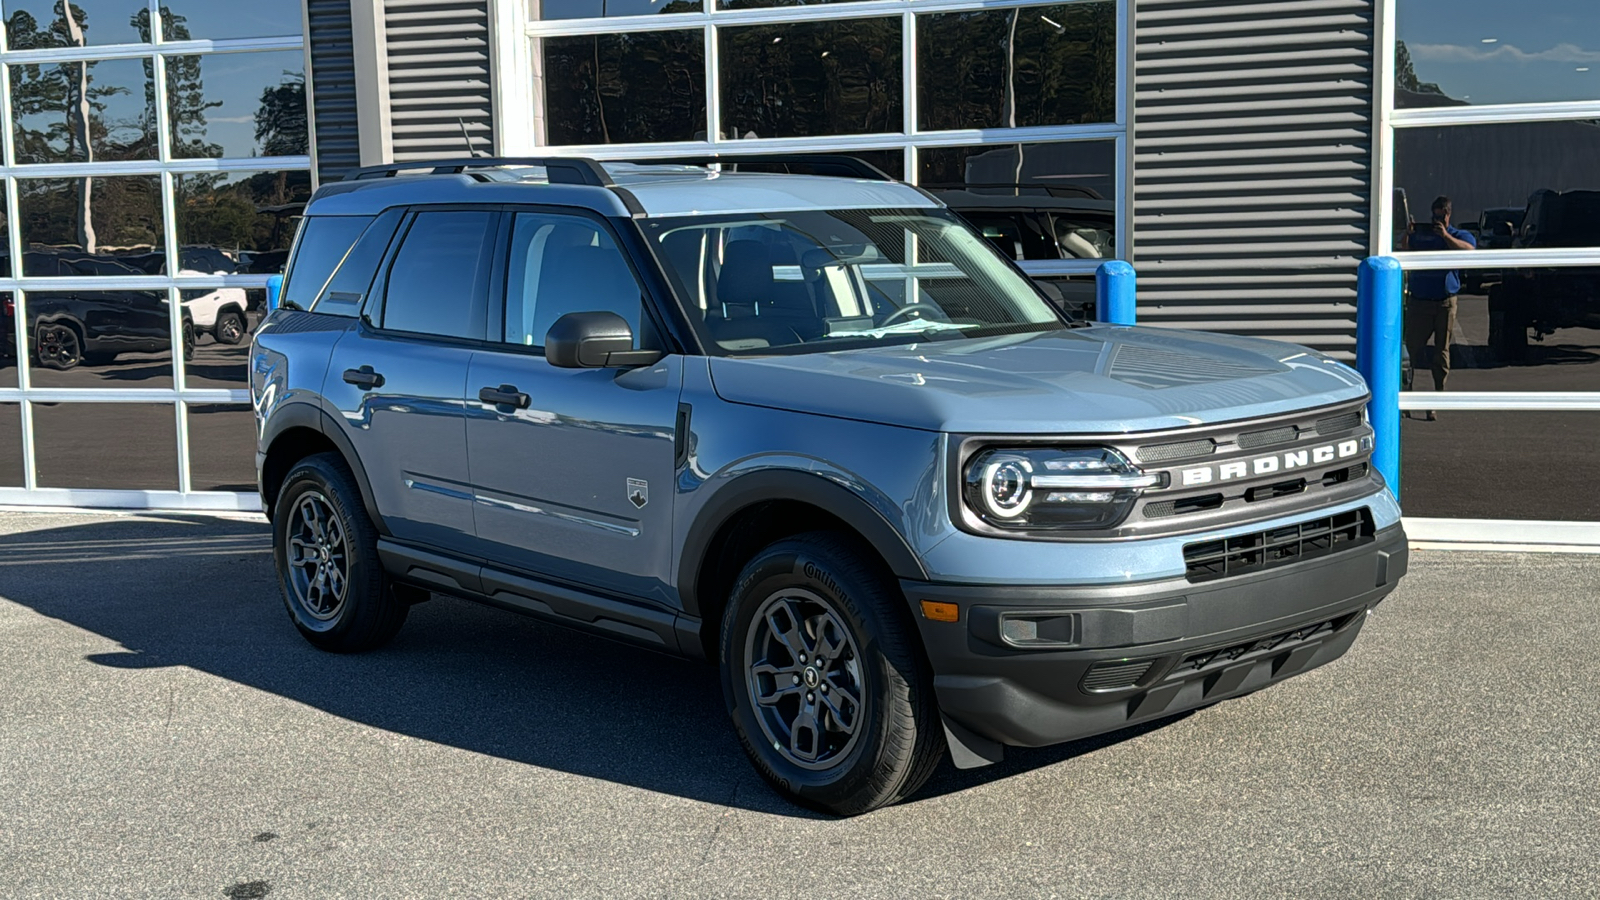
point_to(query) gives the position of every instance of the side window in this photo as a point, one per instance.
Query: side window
(566, 264)
(349, 284)
(436, 284)
(323, 241)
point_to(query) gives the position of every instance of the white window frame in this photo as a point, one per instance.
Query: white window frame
(180, 397)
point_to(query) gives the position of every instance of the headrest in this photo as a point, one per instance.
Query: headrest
(746, 276)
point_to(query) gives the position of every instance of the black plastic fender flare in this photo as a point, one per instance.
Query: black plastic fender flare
(301, 414)
(768, 485)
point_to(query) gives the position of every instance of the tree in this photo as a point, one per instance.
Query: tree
(1405, 75)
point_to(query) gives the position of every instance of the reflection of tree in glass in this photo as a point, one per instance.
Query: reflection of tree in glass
(812, 78)
(619, 88)
(186, 96)
(71, 92)
(251, 214)
(1405, 73)
(1038, 65)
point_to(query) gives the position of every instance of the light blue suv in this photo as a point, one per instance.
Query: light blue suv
(814, 430)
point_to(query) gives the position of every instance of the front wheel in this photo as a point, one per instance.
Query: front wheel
(326, 553)
(823, 677)
(57, 347)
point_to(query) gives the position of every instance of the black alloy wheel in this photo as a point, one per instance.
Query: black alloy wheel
(326, 552)
(825, 679)
(230, 328)
(58, 347)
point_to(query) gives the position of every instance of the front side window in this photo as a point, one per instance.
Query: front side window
(436, 284)
(567, 264)
(817, 280)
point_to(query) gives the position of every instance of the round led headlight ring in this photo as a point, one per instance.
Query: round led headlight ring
(1008, 486)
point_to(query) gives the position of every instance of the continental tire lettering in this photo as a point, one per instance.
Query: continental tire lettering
(817, 573)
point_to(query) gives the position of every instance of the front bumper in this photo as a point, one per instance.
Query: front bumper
(1141, 651)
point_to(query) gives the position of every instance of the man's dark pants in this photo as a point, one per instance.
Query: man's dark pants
(1435, 319)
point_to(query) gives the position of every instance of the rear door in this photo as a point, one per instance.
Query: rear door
(574, 479)
(397, 380)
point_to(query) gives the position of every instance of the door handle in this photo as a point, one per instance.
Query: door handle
(363, 378)
(505, 395)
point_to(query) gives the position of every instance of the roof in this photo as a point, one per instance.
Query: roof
(660, 190)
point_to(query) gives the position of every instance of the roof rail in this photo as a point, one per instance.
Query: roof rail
(836, 164)
(559, 169)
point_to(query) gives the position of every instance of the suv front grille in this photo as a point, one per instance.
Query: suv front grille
(1114, 676)
(1224, 558)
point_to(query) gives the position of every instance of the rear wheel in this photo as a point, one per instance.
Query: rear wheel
(823, 679)
(58, 347)
(230, 328)
(326, 552)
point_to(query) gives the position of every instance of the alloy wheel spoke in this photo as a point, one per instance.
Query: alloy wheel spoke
(805, 735)
(783, 679)
(785, 626)
(830, 638)
(844, 719)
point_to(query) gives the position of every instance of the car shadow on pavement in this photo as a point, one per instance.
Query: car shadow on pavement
(198, 592)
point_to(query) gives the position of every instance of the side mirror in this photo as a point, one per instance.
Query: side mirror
(594, 340)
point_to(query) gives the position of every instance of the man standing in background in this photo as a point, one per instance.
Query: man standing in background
(1431, 307)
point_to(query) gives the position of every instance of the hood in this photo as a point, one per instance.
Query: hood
(1103, 379)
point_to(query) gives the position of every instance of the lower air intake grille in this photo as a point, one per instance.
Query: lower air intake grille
(1114, 676)
(1246, 553)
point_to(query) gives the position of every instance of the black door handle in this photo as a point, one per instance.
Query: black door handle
(363, 378)
(505, 395)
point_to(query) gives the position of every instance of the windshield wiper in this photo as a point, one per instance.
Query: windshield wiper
(913, 326)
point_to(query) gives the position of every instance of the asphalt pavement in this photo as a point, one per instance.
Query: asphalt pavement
(164, 732)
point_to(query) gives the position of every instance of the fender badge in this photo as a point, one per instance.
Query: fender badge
(638, 492)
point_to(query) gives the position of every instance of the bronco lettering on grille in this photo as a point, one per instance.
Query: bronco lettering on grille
(1276, 462)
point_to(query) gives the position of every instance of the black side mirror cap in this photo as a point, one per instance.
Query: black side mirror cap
(594, 340)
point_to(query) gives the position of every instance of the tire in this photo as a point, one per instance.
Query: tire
(320, 497)
(188, 339)
(230, 328)
(814, 592)
(57, 347)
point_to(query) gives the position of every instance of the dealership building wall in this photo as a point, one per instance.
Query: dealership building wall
(1243, 154)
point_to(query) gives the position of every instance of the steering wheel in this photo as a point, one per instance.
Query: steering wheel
(909, 308)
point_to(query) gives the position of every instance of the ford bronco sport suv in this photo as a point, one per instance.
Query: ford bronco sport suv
(815, 430)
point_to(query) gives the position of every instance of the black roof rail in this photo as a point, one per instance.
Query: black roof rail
(559, 169)
(836, 164)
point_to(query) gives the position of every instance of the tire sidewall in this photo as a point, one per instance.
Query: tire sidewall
(793, 564)
(316, 475)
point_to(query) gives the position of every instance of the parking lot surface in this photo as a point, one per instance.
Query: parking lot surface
(164, 732)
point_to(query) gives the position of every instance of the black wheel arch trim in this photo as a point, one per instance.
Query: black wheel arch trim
(767, 485)
(304, 414)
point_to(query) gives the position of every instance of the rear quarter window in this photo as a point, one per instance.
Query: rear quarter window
(323, 243)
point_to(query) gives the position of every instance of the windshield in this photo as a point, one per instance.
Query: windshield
(816, 280)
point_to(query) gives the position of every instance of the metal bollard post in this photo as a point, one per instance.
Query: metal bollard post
(1114, 293)
(1379, 331)
(274, 290)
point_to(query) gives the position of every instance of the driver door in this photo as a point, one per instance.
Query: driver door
(573, 478)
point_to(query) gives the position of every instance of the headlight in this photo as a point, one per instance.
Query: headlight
(1044, 489)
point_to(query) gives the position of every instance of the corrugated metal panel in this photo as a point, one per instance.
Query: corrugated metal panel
(333, 88)
(1252, 165)
(439, 77)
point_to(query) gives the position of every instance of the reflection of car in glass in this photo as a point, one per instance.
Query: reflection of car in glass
(815, 430)
(1496, 229)
(219, 312)
(1544, 301)
(75, 326)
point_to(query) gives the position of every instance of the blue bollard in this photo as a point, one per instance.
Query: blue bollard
(274, 289)
(1379, 332)
(1114, 293)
